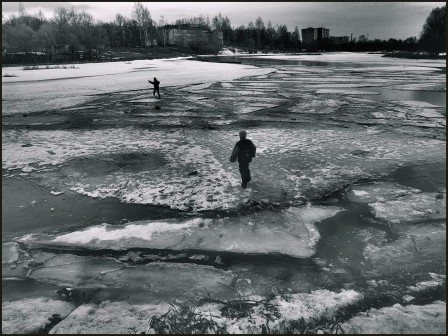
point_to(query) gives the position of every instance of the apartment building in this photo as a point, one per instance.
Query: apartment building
(311, 34)
(187, 34)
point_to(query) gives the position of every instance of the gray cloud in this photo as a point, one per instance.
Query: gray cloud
(33, 7)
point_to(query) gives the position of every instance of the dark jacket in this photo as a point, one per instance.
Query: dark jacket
(244, 150)
(155, 83)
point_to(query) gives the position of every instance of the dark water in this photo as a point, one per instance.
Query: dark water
(257, 61)
(435, 96)
(426, 177)
(73, 211)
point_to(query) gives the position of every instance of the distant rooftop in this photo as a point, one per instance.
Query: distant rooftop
(185, 26)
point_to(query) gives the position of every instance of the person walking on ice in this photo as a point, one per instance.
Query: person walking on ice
(244, 150)
(156, 86)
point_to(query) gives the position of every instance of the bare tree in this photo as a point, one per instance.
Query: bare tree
(21, 9)
(143, 17)
(295, 37)
(162, 23)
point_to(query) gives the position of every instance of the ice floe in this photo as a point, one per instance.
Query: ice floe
(347, 92)
(291, 232)
(159, 280)
(428, 242)
(410, 208)
(437, 280)
(398, 319)
(433, 85)
(32, 316)
(110, 317)
(252, 100)
(10, 252)
(379, 191)
(254, 107)
(308, 104)
(227, 85)
(417, 103)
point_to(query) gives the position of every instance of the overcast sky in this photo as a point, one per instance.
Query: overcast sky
(381, 20)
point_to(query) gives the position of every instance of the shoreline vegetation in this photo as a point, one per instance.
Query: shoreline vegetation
(411, 55)
(133, 54)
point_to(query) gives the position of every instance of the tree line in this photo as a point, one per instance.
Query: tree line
(76, 28)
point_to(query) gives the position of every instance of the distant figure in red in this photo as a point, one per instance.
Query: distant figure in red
(244, 150)
(156, 86)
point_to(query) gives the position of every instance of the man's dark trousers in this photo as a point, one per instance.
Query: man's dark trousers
(245, 172)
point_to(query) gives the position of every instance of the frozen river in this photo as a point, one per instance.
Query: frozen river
(132, 199)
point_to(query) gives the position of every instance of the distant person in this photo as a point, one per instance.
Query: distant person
(156, 86)
(245, 151)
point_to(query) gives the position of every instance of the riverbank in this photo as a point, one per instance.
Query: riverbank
(116, 55)
(157, 52)
(414, 55)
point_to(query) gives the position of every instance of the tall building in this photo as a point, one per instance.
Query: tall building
(323, 33)
(308, 35)
(314, 34)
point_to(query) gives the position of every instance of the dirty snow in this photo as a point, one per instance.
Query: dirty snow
(379, 191)
(411, 319)
(410, 208)
(110, 318)
(313, 306)
(214, 186)
(121, 317)
(31, 316)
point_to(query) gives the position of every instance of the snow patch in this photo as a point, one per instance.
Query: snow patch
(107, 232)
(347, 92)
(411, 319)
(30, 316)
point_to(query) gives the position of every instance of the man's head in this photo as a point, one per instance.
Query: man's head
(243, 135)
(155, 78)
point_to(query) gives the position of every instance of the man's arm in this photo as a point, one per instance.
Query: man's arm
(235, 152)
(254, 150)
(151, 82)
